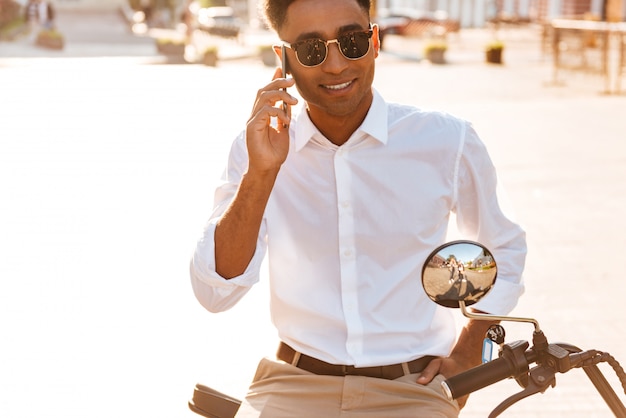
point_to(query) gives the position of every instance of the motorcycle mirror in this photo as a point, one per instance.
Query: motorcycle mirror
(459, 271)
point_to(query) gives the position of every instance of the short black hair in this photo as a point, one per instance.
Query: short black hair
(275, 11)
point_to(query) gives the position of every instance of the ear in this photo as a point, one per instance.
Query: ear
(375, 40)
(277, 51)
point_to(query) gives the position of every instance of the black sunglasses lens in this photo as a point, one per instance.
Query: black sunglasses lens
(354, 45)
(311, 52)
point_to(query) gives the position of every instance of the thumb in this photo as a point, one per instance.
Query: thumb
(429, 373)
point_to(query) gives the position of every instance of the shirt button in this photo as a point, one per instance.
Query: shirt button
(347, 253)
(345, 204)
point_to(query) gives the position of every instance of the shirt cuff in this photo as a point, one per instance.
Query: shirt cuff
(213, 291)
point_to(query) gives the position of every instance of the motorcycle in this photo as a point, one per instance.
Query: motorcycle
(458, 275)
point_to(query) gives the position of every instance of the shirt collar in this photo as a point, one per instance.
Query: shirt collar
(374, 125)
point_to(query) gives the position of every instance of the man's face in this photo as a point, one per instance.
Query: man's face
(338, 87)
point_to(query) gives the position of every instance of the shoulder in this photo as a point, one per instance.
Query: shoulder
(403, 114)
(418, 126)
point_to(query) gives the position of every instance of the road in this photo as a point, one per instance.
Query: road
(107, 165)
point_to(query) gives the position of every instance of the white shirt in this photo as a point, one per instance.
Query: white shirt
(348, 230)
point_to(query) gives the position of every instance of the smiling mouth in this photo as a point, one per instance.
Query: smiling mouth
(338, 86)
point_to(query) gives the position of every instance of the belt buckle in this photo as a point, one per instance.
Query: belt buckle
(345, 370)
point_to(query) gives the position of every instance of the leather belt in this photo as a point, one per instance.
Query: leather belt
(313, 365)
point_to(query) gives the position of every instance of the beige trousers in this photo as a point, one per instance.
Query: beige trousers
(281, 390)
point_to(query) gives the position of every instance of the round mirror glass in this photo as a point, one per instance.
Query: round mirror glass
(459, 271)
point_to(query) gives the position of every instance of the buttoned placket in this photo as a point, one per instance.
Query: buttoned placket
(347, 251)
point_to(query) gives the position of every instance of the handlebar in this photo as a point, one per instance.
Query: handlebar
(477, 378)
(513, 362)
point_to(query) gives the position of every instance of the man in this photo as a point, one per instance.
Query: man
(349, 196)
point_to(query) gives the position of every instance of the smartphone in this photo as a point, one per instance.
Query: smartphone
(283, 59)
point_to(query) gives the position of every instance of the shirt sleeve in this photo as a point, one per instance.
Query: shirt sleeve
(481, 217)
(214, 292)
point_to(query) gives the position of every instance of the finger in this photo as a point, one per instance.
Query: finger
(429, 372)
(264, 111)
(262, 119)
(287, 103)
(278, 83)
(462, 401)
(284, 118)
(263, 100)
(274, 92)
(278, 73)
(271, 99)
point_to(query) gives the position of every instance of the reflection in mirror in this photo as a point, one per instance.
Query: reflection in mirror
(459, 271)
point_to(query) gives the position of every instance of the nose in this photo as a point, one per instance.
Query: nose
(335, 61)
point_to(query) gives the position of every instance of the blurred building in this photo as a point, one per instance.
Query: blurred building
(470, 13)
(476, 13)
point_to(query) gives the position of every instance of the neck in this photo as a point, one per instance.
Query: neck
(338, 128)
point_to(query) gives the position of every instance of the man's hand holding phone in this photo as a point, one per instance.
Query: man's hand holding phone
(268, 141)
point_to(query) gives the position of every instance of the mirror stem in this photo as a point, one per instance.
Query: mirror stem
(489, 317)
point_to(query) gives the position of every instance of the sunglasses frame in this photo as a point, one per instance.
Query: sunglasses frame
(369, 32)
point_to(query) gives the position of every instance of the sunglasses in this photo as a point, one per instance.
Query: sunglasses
(313, 52)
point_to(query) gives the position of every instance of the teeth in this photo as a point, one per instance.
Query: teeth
(339, 86)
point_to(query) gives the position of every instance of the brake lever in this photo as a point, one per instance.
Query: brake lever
(541, 378)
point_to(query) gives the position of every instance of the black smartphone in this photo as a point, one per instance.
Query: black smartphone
(283, 59)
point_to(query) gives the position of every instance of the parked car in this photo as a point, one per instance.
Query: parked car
(414, 23)
(219, 21)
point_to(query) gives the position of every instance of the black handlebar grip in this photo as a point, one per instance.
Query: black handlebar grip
(478, 377)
